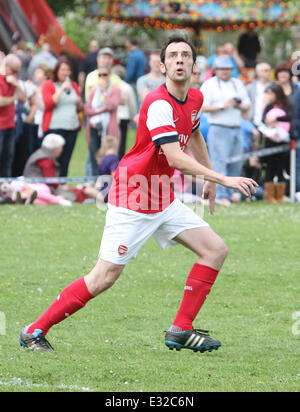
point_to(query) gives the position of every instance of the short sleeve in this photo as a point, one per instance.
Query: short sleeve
(161, 124)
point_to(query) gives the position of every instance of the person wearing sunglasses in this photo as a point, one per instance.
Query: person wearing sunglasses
(101, 111)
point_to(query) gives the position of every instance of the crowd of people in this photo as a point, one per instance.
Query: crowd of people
(45, 100)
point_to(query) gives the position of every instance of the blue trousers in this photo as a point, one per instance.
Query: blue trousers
(223, 143)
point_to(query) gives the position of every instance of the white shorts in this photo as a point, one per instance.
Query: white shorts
(126, 231)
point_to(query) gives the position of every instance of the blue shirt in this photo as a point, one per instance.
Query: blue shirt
(204, 126)
(247, 128)
(135, 66)
(235, 71)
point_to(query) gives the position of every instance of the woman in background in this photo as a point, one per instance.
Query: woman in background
(63, 103)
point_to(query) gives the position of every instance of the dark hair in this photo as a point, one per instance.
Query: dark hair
(281, 99)
(283, 67)
(177, 39)
(133, 42)
(61, 61)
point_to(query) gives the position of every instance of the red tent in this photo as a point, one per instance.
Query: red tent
(32, 21)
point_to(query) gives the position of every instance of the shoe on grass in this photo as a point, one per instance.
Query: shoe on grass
(35, 341)
(197, 340)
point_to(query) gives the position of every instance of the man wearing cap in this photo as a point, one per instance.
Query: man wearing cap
(104, 58)
(225, 98)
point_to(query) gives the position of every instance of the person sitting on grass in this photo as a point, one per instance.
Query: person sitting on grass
(13, 193)
(21, 192)
(43, 164)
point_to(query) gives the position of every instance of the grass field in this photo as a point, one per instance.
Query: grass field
(116, 343)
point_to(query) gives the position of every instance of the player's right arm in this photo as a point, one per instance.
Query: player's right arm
(177, 159)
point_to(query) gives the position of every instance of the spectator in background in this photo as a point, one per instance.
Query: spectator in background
(43, 164)
(196, 84)
(108, 161)
(41, 75)
(88, 64)
(228, 50)
(225, 99)
(296, 135)
(101, 110)
(136, 64)
(24, 117)
(10, 92)
(24, 52)
(62, 102)
(153, 79)
(283, 76)
(105, 57)
(275, 164)
(127, 109)
(43, 57)
(195, 78)
(249, 47)
(210, 61)
(256, 90)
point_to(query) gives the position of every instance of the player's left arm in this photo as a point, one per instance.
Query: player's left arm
(198, 147)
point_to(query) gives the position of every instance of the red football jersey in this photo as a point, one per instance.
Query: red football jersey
(143, 180)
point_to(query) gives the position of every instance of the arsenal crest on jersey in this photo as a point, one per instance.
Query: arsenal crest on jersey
(122, 249)
(194, 116)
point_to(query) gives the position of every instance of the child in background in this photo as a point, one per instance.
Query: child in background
(108, 161)
(17, 192)
(21, 192)
(275, 129)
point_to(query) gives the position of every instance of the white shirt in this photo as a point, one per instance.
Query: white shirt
(216, 92)
(258, 111)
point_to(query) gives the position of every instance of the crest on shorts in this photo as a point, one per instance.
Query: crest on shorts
(122, 250)
(194, 116)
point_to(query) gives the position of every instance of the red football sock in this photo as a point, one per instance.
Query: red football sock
(72, 298)
(197, 287)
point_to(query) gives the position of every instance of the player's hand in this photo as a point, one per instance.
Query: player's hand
(243, 184)
(67, 84)
(209, 192)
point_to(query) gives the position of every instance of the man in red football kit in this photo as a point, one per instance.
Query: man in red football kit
(141, 204)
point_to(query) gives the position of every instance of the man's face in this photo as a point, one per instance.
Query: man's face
(179, 62)
(224, 74)
(264, 73)
(154, 63)
(12, 68)
(105, 60)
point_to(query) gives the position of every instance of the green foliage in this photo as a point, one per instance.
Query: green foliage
(77, 28)
(60, 8)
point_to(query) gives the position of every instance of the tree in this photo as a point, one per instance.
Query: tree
(60, 8)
